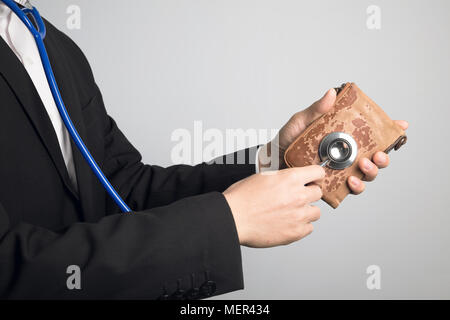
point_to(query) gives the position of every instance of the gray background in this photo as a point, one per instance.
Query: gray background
(251, 64)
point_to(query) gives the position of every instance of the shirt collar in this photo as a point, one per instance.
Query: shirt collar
(4, 10)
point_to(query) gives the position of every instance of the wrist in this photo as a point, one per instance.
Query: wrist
(271, 156)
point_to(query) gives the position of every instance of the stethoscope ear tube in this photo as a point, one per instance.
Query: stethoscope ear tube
(39, 35)
(37, 19)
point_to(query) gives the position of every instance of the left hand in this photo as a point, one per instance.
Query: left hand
(300, 121)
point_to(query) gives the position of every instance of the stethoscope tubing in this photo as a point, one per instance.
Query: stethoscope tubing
(38, 37)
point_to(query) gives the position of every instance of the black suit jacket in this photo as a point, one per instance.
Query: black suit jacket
(180, 235)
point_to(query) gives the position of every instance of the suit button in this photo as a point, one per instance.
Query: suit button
(208, 288)
(180, 294)
(194, 292)
(164, 296)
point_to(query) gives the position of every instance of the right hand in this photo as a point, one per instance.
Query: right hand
(273, 208)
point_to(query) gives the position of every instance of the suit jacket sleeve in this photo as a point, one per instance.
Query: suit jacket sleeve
(140, 255)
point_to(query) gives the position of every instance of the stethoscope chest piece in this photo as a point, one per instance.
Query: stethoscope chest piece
(338, 150)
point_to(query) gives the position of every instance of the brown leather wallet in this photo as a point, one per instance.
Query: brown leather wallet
(358, 116)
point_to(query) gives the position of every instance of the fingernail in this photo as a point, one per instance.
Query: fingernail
(367, 165)
(354, 181)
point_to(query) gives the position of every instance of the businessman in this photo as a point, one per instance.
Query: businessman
(188, 222)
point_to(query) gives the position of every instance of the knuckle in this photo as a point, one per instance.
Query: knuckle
(297, 116)
(309, 173)
(282, 202)
(309, 228)
(373, 172)
(315, 192)
(289, 237)
(305, 230)
(317, 171)
(292, 175)
(315, 212)
(297, 235)
(302, 199)
(319, 192)
(381, 159)
(286, 201)
(363, 187)
(360, 189)
(321, 171)
(298, 175)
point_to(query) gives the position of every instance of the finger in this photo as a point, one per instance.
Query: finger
(321, 106)
(318, 108)
(302, 230)
(381, 159)
(304, 175)
(369, 169)
(355, 185)
(311, 193)
(402, 124)
(308, 229)
(312, 213)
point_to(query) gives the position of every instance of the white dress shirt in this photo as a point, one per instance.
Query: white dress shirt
(21, 42)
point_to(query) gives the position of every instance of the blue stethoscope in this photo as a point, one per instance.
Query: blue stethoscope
(39, 35)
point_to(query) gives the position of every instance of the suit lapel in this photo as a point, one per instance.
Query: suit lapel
(68, 83)
(21, 84)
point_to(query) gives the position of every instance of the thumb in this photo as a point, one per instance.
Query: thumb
(301, 120)
(318, 108)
